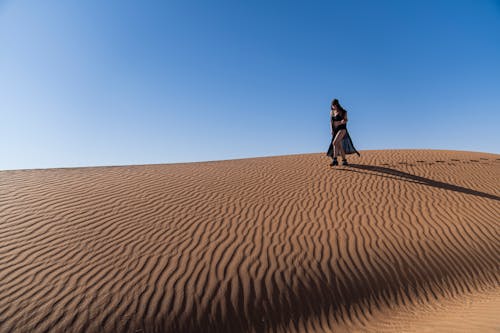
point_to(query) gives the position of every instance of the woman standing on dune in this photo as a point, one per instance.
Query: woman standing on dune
(341, 141)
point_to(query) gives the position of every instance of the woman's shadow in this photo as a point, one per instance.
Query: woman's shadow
(420, 180)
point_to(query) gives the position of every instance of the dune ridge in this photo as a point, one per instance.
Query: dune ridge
(250, 245)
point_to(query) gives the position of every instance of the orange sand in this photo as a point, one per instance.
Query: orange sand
(401, 241)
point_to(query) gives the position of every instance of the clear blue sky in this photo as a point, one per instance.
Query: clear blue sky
(135, 82)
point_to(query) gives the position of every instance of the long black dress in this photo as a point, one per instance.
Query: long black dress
(346, 141)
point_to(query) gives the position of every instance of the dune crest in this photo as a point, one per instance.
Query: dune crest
(274, 244)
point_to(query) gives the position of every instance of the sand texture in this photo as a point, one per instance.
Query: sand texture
(400, 241)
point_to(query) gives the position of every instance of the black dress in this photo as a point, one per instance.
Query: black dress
(346, 141)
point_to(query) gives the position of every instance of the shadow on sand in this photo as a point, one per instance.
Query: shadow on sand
(418, 179)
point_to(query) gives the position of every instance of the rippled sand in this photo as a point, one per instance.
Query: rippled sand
(400, 241)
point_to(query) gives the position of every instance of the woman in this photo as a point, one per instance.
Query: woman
(341, 141)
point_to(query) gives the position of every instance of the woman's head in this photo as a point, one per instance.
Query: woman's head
(336, 106)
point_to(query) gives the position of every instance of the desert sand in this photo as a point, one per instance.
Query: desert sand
(400, 241)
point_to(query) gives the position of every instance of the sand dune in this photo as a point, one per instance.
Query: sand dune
(400, 241)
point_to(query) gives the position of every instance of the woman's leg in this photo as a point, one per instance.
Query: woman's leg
(337, 144)
(334, 149)
(342, 152)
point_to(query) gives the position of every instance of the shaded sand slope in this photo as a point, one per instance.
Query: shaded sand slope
(265, 244)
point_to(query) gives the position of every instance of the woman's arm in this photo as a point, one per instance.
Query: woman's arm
(344, 121)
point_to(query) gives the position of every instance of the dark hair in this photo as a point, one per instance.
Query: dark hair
(340, 109)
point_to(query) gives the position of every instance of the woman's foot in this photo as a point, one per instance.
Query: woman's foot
(344, 162)
(334, 162)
